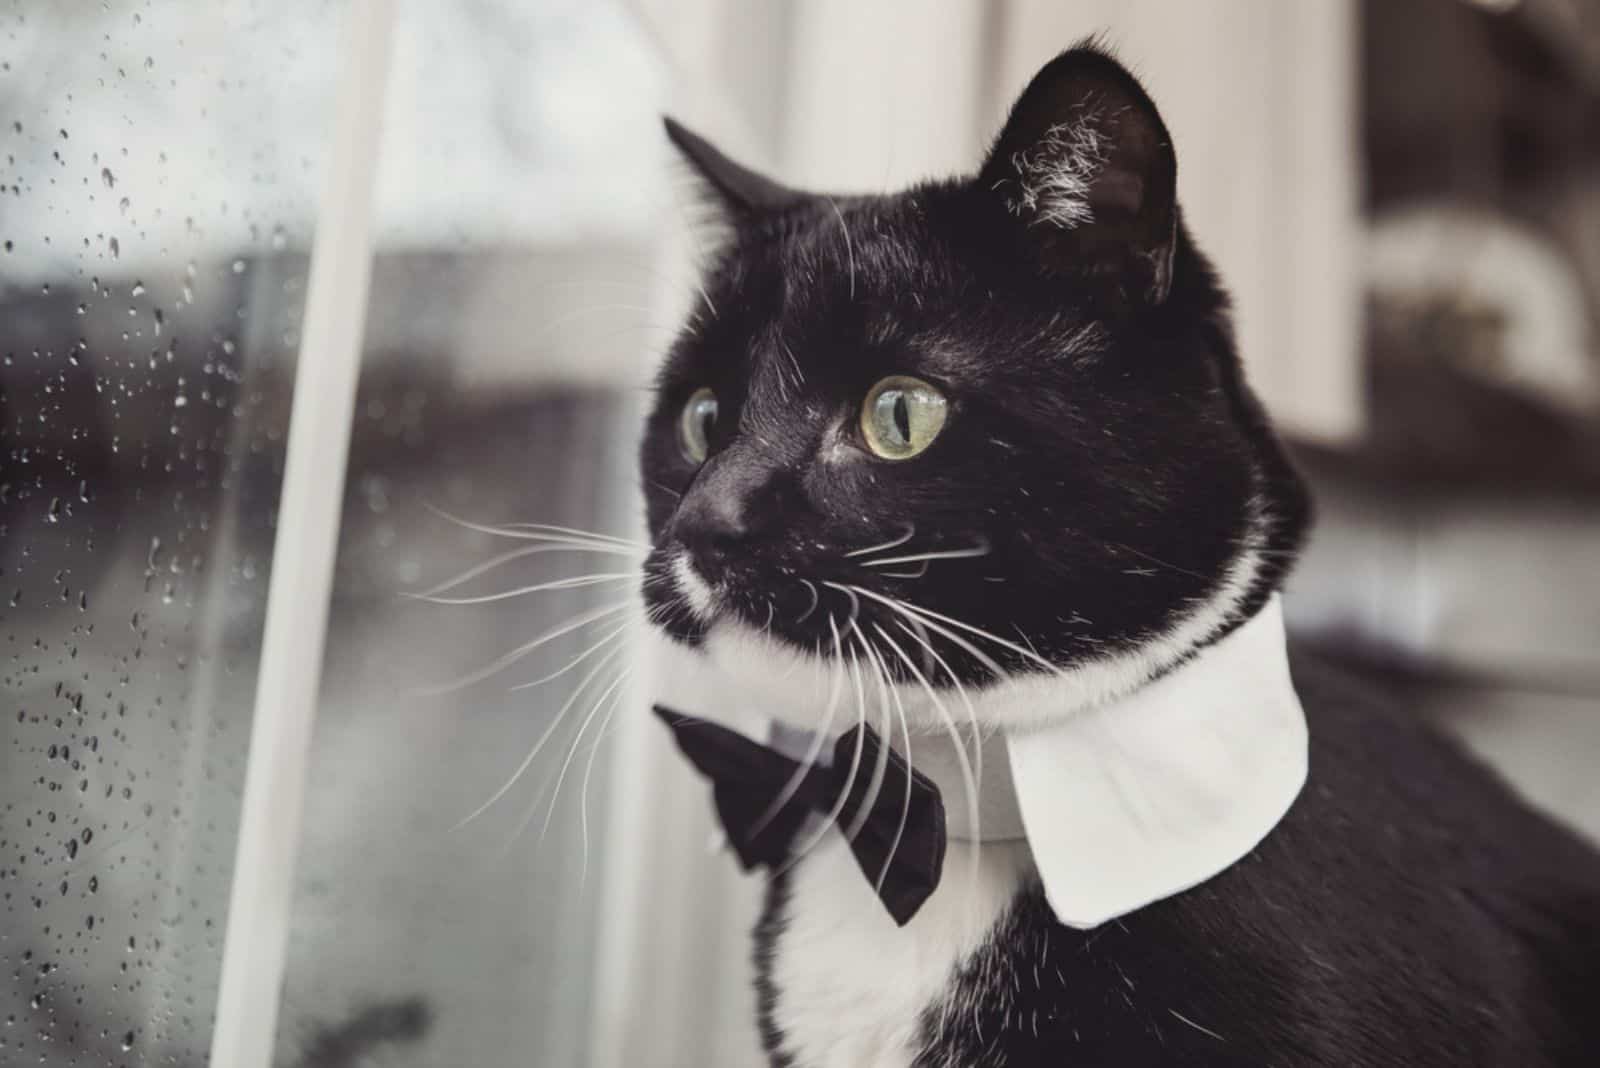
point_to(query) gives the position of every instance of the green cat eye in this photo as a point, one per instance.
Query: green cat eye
(902, 416)
(695, 424)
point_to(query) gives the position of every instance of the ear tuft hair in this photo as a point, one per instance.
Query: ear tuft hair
(1086, 164)
(1055, 177)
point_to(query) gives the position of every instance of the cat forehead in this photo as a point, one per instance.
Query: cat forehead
(877, 242)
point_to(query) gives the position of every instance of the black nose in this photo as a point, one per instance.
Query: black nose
(710, 519)
(726, 504)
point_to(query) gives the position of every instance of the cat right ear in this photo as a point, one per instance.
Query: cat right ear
(1085, 163)
(736, 189)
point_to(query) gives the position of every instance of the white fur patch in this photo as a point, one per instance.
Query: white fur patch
(853, 986)
(1055, 176)
(701, 598)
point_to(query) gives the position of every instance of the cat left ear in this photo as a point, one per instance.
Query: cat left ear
(1086, 164)
(737, 189)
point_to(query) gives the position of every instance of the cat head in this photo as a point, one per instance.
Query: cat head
(981, 430)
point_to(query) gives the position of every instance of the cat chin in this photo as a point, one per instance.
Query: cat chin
(742, 676)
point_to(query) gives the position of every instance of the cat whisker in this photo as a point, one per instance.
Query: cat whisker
(494, 562)
(589, 535)
(922, 569)
(976, 729)
(880, 766)
(917, 673)
(527, 761)
(544, 532)
(575, 661)
(921, 638)
(504, 661)
(928, 613)
(1158, 561)
(939, 554)
(583, 789)
(969, 781)
(855, 605)
(576, 582)
(572, 751)
(849, 247)
(816, 599)
(901, 608)
(818, 740)
(911, 532)
(832, 818)
(905, 738)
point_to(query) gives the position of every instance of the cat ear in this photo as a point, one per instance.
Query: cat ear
(737, 189)
(1085, 163)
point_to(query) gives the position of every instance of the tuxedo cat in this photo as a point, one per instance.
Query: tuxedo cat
(964, 489)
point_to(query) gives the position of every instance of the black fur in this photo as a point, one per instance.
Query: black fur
(1101, 439)
(1409, 911)
(764, 943)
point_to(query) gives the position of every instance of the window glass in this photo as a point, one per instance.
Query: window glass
(157, 172)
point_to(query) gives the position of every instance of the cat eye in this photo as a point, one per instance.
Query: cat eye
(902, 416)
(696, 423)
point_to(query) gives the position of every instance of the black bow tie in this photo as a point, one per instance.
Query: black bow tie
(763, 799)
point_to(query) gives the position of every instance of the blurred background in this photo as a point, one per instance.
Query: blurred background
(1404, 196)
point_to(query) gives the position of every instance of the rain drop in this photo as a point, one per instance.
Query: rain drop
(108, 178)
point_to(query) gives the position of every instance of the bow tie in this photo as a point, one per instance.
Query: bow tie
(763, 798)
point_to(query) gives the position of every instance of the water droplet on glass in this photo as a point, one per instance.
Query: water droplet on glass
(107, 177)
(238, 266)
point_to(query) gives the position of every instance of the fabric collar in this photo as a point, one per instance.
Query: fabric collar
(1139, 798)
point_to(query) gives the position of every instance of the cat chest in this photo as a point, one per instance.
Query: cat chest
(849, 987)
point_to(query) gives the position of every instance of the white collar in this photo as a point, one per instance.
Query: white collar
(1133, 799)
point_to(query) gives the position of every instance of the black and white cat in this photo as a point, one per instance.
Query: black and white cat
(972, 470)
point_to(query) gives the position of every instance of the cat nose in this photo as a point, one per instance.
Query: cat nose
(719, 509)
(710, 519)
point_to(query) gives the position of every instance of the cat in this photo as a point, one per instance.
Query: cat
(973, 470)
